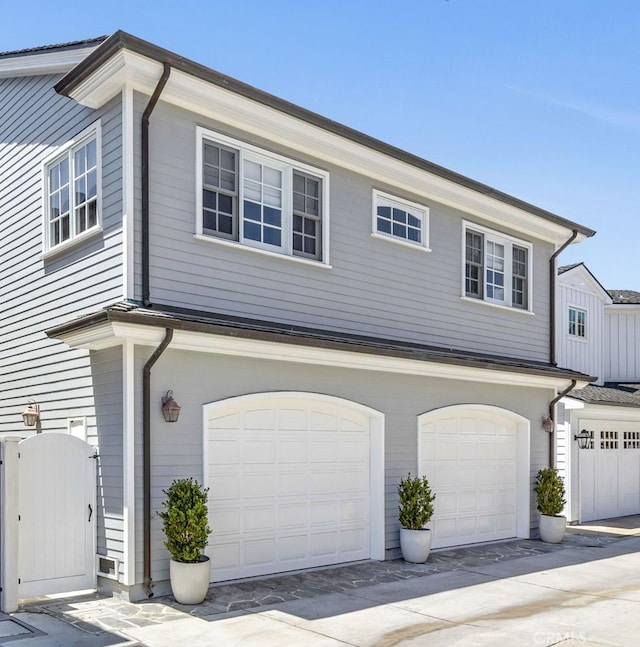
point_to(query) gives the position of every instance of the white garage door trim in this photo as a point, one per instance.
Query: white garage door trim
(376, 448)
(491, 413)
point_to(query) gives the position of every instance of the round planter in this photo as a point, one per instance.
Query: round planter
(415, 545)
(552, 528)
(190, 581)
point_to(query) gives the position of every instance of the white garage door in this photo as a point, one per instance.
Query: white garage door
(610, 470)
(290, 483)
(470, 459)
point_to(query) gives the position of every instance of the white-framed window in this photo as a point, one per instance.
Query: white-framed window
(400, 220)
(577, 322)
(497, 267)
(71, 186)
(260, 199)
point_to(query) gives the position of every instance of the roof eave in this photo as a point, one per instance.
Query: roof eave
(121, 40)
(85, 325)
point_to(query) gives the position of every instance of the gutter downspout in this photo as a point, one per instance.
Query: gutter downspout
(552, 341)
(145, 181)
(146, 372)
(552, 296)
(552, 415)
(146, 457)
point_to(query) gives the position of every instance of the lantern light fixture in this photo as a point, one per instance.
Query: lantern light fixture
(583, 438)
(31, 414)
(170, 408)
(547, 424)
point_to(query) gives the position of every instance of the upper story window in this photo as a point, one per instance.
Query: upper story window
(497, 268)
(400, 220)
(577, 322)
(260, 199)
(71, 189)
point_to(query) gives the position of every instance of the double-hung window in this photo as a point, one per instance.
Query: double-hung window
(577, 322)
(497, 268)
(400, 220)
(260, 199)
(71, 188)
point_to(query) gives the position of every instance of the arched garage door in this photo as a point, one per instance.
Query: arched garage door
(296, 481)
(477, 461)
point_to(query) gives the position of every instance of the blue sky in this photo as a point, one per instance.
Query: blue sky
(538, 98)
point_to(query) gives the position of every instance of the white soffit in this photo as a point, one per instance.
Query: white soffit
(43, 62)
(115, 333)
(227, 107)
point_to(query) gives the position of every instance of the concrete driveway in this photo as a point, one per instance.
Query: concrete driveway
(584, 592)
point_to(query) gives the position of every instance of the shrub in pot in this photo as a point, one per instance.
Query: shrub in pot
(186, 529)
(415, 511)
(550, 501)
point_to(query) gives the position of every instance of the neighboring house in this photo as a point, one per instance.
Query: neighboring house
(329, 311)
(598, 332)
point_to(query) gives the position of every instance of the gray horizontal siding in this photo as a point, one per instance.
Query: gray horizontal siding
(375, 287)
(38, 293)
(198, 379)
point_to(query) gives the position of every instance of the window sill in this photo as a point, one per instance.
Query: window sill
(264, 252)
(400, 241)
(519, 311)
(70, 244)
(580, 340)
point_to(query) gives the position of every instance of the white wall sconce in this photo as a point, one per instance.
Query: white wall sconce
(31, 414)
(583, 438)
(170, 408)
(547, 424)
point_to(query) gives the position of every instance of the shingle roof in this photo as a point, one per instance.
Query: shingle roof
(625, 296)
(566, 268)
(617, 394)
(76, 44)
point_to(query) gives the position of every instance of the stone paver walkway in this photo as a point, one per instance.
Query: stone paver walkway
(96, 614)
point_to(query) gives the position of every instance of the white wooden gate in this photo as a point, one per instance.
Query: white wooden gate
(57, 512)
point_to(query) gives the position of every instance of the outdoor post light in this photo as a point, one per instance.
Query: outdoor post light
(548, 424)
(170, 408)
(583, 438)
(31, 414)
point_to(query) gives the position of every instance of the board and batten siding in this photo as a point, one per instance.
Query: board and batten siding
(38, 293)
(580, 354)
(622, 343)
(374, 287)
(201, 378)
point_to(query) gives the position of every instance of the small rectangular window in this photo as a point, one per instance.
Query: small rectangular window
(577, 322)
(400, 220)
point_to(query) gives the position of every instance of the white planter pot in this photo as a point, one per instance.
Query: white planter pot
(415, 545)
(552, 528)
(190, 581)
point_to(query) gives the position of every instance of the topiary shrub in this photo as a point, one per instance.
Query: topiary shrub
(416, 502)
(550, 492)
(185, 521)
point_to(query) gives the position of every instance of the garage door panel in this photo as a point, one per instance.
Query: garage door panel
(259, 419)
(324, 450)
(224, 452)
(322, 513)
(294, 419)
(298, 481)
(319, 421)
(293, 482)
